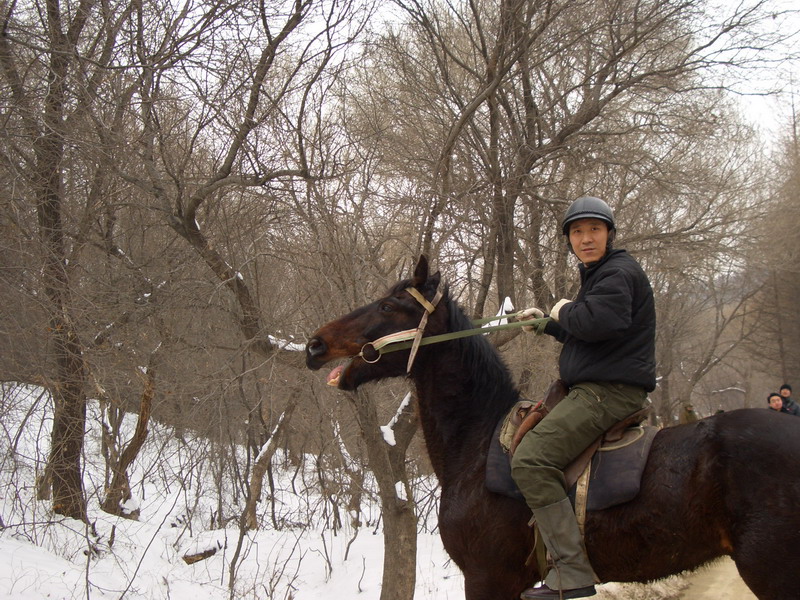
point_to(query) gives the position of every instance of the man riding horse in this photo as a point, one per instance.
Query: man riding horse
(608, 363)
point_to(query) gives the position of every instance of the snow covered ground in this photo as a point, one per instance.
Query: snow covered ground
(45, 556)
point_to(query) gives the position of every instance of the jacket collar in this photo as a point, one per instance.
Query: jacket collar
(587, 270)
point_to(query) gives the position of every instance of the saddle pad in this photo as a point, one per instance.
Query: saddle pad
(616, 474)
(498, 469)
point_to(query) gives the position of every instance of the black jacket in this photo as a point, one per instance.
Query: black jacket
(791, 407)
(609, 331)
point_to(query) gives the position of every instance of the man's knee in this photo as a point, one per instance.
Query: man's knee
(540, 484)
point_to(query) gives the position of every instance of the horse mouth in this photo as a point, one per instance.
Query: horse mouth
(335, 376)
(340, 376)
(343, 375)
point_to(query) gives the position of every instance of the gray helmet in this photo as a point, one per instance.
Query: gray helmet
(588, 207)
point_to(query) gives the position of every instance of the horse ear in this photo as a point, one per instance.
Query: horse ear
(421, 276)
(420, 272)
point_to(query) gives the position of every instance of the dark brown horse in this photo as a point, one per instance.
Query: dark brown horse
(726, 485)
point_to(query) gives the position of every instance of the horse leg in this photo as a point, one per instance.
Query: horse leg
(767, 556)
(769, 578)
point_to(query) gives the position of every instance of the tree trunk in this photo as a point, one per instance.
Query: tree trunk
(399, 519)
(67, 388)
(261, 464)
(69, 416)
(69, 421)
(119, 491)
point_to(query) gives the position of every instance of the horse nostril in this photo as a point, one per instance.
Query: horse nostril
(316, 347)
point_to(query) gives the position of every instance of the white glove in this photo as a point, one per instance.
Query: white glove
(527, 315)
(559, 305)
(530, 313)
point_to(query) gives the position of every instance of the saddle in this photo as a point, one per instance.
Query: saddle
(612, 464)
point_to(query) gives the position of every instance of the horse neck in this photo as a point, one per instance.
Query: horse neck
(463, 389)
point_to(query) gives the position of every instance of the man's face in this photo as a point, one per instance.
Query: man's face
(588, 238)
(775, 402)
(786, 393)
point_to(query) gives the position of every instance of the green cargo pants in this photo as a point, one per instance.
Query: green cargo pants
(587, 411)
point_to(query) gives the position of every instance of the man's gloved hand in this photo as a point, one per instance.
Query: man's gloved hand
(558, 306)
(530, 313)
(527, 315)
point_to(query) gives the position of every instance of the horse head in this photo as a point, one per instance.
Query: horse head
(349, 338)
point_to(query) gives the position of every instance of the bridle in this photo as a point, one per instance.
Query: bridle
(371, 352)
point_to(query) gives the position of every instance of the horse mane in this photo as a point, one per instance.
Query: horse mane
(478, 354)
(492, 387)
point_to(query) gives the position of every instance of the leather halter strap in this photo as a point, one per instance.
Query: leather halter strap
(371, 351)
(429, 308)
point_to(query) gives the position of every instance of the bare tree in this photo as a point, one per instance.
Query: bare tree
(53, 69)
(518, 95)
(119, 488)
(774, 264)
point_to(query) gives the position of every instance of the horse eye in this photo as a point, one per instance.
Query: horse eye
(386, 307)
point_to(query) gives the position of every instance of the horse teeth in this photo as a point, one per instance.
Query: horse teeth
(334, 375)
